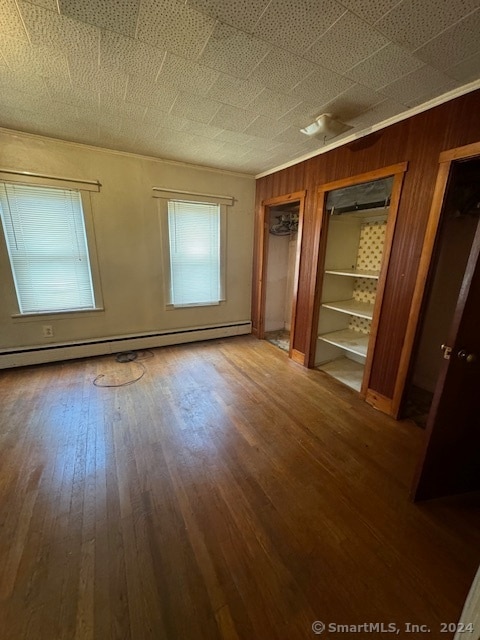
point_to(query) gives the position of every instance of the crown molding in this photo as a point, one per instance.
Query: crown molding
(425, 106)
(129, 154)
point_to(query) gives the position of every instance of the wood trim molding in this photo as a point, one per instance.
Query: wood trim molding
(397, 170)
(461, 153)
(297, 356)
(445, 161)
(376, 174)
(378, 401)
(262, 259)
(287, 197)
(391, 222)
(296, 276)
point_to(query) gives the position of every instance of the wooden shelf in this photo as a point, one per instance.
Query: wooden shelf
(354, 273)
(349, 340)
(347, 371)
(352, 307)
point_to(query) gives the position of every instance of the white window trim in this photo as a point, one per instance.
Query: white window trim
(163, 196)
(84, 188)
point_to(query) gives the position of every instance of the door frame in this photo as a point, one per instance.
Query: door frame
(321, 230)
(262, 233)
(445, 160)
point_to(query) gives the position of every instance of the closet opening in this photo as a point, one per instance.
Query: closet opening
(356, 222)
(283, 222)
(456, 231)
(281, 231)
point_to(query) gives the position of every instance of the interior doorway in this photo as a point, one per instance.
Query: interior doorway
(456, 232)
(282, 250)
(450, 460)
(281, 232)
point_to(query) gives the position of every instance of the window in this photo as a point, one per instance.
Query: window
(195, 253)
(45, 234)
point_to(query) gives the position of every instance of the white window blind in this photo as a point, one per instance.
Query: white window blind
(45, 233)
(194, 242)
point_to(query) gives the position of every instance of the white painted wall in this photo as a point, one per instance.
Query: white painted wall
(128, 242)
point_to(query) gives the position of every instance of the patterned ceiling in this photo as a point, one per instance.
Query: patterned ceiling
(226, 83)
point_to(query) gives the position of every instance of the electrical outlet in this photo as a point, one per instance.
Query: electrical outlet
(47, 331)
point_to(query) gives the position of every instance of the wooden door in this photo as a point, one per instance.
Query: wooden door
(451, 459)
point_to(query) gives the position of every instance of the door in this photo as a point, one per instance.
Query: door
(450, 462)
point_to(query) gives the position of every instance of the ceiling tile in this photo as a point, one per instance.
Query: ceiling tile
(90, 76)
(438, 90)
(120, 16)
(349, 41)
(170, 25)
(202, 129)
(111, 105)
(186, 75)
(467, 70)
(322, 85)
(47, 4)
(23, 82)
(59, 32)
(303, 114)
(232, 118)
(164, 119)
(265, 127)
(234, 137)
(389, 63)
(149, 94)
(292, 135)
(372, 10)
(378, 113)
(233, 52)
(296, 25)
(69, 94)
(193, 107)
(242, 14)
(282, 70)
(22, 57)
(273, 105)
(235, 91)
(415, 85)
(352, 102)
(413, 23)
(130, 56)
(11, 22)
(453, 45)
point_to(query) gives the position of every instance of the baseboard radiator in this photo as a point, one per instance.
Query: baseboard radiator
(40, 354)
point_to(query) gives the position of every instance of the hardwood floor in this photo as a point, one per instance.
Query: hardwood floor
(229, 494)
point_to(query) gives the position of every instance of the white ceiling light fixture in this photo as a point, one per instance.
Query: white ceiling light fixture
(325, 127)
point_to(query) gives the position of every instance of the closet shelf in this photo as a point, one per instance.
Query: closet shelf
(347, 339)
(352, 307)
(354, 273)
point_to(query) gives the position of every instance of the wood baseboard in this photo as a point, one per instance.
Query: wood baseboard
(298, 356)
(380, 402)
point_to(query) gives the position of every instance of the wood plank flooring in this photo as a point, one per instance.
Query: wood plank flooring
(230, 494)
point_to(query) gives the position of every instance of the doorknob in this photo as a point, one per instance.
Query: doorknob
(466, 357)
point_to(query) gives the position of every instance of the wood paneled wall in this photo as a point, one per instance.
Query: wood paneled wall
(418, 140)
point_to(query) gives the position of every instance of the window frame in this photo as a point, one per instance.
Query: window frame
(84, 190)
(164, 197)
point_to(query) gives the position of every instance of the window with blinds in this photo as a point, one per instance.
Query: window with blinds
(195, 253)
(46, 240)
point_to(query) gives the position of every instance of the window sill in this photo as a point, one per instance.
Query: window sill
(195, 305)
(55, 315)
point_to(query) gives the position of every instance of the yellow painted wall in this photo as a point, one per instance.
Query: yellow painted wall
(128, 242)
